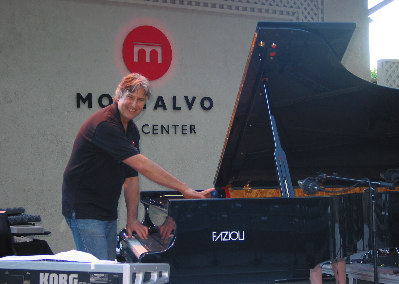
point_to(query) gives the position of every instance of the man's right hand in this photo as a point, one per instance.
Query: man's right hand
(191, 194)
(136, 226)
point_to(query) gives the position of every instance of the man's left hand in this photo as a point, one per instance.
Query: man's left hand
(167, 227)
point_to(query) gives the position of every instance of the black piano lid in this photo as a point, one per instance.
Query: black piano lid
(328, 119)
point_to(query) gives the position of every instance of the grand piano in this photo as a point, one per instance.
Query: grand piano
(300, 116)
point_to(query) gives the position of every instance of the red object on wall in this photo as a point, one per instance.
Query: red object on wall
(146, 50)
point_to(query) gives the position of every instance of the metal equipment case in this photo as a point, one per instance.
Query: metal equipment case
(65, 272)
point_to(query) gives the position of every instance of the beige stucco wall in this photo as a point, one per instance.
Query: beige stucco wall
(52, 49)
(357, 57)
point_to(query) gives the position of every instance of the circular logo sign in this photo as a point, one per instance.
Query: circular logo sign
(146, 50)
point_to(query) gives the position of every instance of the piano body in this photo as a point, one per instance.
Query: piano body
(261, 226)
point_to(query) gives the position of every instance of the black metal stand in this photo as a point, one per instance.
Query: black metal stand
(372, 215)
(372, 194)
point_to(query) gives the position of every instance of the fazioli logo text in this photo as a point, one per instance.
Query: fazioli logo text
(227, 236)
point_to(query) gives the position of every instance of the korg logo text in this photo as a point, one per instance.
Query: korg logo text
(54, 278)
(226, 236)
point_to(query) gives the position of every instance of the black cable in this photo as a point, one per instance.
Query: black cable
(342, 190)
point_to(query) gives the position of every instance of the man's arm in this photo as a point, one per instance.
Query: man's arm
(131, 192)
(159, 175)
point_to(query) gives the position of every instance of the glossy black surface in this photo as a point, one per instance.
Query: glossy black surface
(328, 121)
(281, 238)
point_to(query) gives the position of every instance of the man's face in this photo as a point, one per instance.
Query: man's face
(131, 105)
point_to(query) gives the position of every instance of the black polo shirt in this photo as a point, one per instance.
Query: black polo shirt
(95, 174)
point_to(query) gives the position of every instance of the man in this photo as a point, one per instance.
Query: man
(104, 157)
